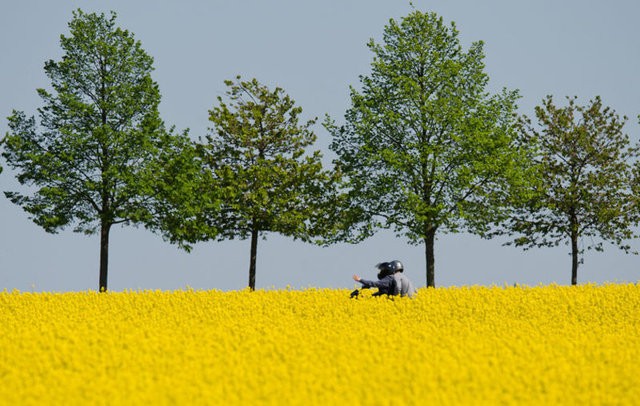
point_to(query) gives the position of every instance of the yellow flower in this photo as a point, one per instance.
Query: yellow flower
(467, 345)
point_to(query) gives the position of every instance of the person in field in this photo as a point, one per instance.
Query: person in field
(391, 281)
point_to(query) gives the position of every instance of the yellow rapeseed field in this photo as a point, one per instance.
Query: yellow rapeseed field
(551, 345)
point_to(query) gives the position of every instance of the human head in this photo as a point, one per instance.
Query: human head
(384, 269)
(396, 266)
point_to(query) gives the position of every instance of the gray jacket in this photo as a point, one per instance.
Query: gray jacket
(404, 287)
(386, 285)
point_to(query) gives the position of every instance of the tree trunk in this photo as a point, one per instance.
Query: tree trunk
(574, 258)
(429, 242)
(252, 259)
(104, 256)
(573, 226)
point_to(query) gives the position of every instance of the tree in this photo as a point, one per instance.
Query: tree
(585, 186)
(259, 177)
(100, 141)
(425, 148)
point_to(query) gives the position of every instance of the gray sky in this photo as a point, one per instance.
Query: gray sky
(314, 50)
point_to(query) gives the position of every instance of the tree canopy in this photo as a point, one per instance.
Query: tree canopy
(424, 146)
(584, 188)
(91, 157)
(258, 175)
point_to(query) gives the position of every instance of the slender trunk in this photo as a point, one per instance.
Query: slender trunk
(252, 259)
(104, 255)
(573, 225)
(105, 223)
(574, 258)
(429, 242)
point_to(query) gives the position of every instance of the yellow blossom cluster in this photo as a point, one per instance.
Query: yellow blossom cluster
(460, 345)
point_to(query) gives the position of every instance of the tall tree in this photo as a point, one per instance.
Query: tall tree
(261, 176)
(100, 140)
(585, 188)
(424, 146)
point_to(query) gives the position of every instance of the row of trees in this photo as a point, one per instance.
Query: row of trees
(424, 149)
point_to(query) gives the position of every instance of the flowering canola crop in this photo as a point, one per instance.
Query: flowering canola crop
(458, 345)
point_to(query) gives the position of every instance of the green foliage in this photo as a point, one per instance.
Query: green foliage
(584, 188)
(180, 196)
(92, 157)
(259, 177)
(424, 146)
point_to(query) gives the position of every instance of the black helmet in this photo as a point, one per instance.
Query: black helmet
(396, 266)
(384, 269)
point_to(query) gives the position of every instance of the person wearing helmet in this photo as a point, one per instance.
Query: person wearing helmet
(386, 283)
(404, 287)
(391, 281)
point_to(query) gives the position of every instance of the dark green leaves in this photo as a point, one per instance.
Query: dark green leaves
(583, 187)
(257, 154)
(93, 154)
(424, 146)
(257, 174)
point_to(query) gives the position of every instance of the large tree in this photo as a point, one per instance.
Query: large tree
(100, 141)
(259, 176)
(425, 147)
(585, 188)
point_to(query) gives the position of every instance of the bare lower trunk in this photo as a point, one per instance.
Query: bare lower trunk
(252, 259)
(573, 224)
(104, 256)
(429, 242)
(574, 259)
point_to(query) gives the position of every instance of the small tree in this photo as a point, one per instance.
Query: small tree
(584, 184)
(100, 142)
(259, 177)
(425, 148)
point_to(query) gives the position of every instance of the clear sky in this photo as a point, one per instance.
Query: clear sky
(314, 50)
